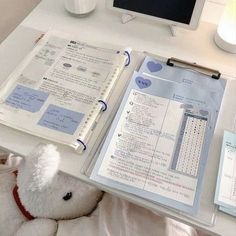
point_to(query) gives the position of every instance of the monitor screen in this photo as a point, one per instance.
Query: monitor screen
(175, 10)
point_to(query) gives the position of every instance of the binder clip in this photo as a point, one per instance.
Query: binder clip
(193, 66)
(104, 105)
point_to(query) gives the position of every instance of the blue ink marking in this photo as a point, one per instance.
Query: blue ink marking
(26, 98)
(142, 83)
(61, 119)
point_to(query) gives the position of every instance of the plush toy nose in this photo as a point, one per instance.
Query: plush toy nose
(68, 196)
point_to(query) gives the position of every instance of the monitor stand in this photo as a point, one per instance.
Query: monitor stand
(173, 30)
(126, 17)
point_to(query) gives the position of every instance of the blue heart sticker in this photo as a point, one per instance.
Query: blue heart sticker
(142, 83)
(154, 67)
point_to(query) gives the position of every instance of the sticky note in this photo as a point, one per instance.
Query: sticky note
(61, 119)
(26, 98)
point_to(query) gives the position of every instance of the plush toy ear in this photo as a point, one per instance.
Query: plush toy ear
(39, 168)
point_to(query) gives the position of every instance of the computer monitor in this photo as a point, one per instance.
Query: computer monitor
(183, 13)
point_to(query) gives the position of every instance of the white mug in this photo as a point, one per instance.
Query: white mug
(80, 6)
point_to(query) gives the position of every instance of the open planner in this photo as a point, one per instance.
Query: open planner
(61, 89)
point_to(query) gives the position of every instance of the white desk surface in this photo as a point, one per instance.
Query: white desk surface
(105, 26)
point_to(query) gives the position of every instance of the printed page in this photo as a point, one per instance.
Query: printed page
(55, 92)
(142, 147)
(226, 182)
(186, 77)
(158, 144)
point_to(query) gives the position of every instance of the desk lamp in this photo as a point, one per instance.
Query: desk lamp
(80, 7)
(225, 36)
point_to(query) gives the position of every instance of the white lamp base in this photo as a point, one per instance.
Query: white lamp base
(220, 42)
(80, 7)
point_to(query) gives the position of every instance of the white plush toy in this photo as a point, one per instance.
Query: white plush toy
(32, 201)
(41, 201)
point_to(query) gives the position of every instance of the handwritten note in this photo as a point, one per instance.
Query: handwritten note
(142, 147)
(26, 98)
(61, 119)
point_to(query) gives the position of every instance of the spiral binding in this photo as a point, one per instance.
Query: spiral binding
(102, 102)
(126, 53)
(104, 105)
(80, 141)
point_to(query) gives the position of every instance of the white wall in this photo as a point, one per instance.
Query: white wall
(213, 10)
(12, 12)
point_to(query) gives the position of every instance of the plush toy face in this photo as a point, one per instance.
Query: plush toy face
(47, 193)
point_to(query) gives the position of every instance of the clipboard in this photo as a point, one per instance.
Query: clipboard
(215, 74)
(207, 211)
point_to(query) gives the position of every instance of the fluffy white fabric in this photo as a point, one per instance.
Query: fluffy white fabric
(51, 196)
(45, 193)
(115, 216)
(10, 217)
(38, 227)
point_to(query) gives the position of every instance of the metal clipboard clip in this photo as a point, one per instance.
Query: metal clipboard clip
(215, 74)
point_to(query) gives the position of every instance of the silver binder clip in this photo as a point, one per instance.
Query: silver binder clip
(215, 74)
